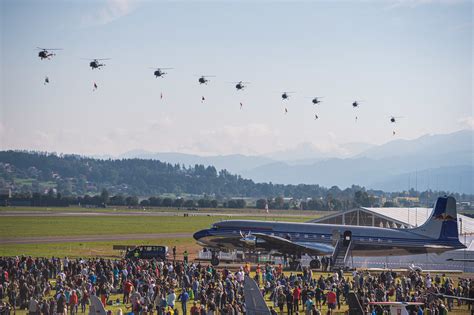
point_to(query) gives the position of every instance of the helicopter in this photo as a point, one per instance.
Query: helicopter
(95, 64)
(240, 85)
(203, 79)
(159, 72)
(316, 100)
(285, 95)
(45, 52)
(393, 119)
(355, 104)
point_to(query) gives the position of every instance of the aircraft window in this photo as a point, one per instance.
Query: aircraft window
(379, 240)
(315, 236)
(322, 236)
(234, 232)
(306, 236)
(272, 234)
(389, 241)
(370, 240)
(297, 235)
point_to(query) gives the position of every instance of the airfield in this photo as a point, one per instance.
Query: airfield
(89, 232)
(92, 232)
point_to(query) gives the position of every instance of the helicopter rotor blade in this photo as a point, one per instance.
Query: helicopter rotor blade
(48, 48)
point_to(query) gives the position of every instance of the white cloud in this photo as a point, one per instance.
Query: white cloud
(467, 122)
(111, 11)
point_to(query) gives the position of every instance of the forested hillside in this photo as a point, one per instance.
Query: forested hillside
(72, 175)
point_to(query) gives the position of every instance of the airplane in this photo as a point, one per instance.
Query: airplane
(438, 234)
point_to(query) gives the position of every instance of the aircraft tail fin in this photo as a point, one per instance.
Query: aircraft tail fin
(443, 222)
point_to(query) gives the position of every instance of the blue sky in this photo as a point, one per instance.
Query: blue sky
(403, 58)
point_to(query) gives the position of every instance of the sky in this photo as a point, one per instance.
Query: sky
(405, 58)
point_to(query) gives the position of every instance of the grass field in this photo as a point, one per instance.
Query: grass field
(16, 227)
(92, 249)
(31, 226)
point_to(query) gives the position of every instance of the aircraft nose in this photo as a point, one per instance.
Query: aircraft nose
(200, 234)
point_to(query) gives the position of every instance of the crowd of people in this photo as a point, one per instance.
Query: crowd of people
(64, 286)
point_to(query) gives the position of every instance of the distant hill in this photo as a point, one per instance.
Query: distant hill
(437, 159)
(234, 163)
(73, 174)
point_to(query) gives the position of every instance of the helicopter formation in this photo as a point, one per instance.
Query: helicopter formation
(96, 63)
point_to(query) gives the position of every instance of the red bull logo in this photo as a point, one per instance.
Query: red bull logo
(445, 217)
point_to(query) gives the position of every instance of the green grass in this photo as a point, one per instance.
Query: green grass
(30, 226)
(91, 249)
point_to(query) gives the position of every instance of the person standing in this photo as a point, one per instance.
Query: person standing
(33, 306)
(331, 299)
(185, 256)
(61, 304)
(184, 298)
(289, 302)
(73, 301)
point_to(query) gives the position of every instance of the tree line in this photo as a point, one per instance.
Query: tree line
(81, 180)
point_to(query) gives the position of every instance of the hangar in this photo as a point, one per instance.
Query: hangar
(402, 218)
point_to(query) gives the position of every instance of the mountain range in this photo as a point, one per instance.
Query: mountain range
(439, 162)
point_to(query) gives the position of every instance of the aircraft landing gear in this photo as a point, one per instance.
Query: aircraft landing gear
(295, 263)
(214, 259)
(315, 264)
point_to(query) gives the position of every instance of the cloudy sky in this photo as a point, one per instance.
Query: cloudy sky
(408, 58)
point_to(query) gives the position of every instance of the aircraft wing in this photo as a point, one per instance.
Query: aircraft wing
(284, 245)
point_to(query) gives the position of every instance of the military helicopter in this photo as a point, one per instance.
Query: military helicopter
(316, 100)
(95, 64)
(203, 79)
(393, 119)
(159, 72)
(240, 85)
(356, 104)
(45, 52)
(285, 95)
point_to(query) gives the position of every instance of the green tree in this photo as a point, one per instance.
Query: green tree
(104, 196)
(131, 201)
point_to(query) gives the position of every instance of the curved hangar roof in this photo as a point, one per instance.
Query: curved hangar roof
(391, 218)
